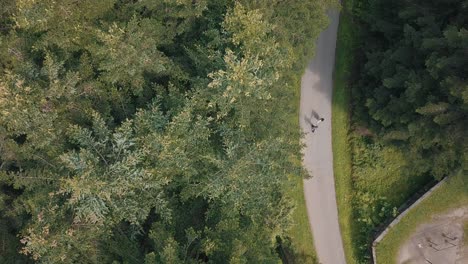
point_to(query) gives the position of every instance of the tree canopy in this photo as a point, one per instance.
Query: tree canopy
(412, 89)
(149, 131)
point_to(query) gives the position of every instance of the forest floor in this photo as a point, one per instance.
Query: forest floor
(316, 96)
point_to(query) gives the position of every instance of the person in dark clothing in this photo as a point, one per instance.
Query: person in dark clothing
(313, 127)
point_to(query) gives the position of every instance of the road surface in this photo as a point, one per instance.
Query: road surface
(316, 96)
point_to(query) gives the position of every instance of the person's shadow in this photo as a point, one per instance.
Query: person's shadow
(314, 115)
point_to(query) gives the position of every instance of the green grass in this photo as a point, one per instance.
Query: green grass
(381, 169)
(300, 234)
(451, 195)
(340, 130)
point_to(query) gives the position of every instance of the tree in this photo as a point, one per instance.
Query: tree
(413, 81)
(150, 131)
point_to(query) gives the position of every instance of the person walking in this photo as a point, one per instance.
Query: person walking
(313, 127)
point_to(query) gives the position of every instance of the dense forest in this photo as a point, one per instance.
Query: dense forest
(409, 103)
(150, 131)
(412, 88)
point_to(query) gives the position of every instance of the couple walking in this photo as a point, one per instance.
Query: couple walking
(313, 127)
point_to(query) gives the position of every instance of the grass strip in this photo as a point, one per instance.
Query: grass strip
(340, 133)
(300, 234)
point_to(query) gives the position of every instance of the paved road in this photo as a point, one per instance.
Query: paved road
(316, 95)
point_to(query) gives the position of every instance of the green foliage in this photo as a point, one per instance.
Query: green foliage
(412, 78)
(408, 108)
(6, 22)
(130, 45)
(371, 211)
(150, 131)
(69, 25)
(382, 179)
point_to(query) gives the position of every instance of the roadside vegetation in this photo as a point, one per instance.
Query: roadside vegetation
(300, 238)
(453, 194)
(153, 131)
(399, 108)
(341, 123)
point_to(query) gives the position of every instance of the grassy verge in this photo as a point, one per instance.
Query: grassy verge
(300, 234)
(340, 131)
(451, 195)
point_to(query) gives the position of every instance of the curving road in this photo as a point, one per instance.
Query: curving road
(316, 97)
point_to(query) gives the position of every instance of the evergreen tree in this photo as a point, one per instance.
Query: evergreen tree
(149, 131)
(413, 84)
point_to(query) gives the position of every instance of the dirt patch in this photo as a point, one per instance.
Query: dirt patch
(440, 241)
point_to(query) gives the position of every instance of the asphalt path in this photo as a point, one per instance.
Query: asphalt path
(316, 99)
